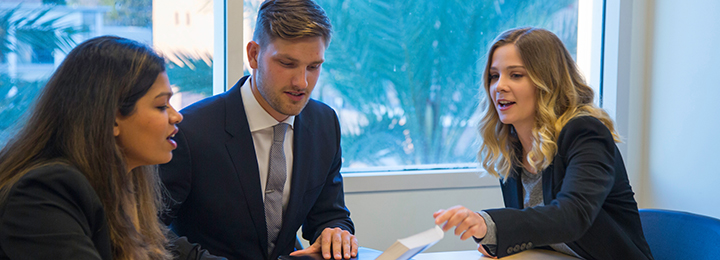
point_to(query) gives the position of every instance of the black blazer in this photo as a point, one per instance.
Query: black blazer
(53, 212)
(588, 200)
(214, 183)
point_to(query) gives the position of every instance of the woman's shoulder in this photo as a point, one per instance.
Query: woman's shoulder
(583, 125)
(583, 128)
(55, 172)
(57, 179)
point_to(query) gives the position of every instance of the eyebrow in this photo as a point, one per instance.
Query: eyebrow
(284, 56)
(510, 67)
(168, 94)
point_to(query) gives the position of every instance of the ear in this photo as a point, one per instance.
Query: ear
(253, 50)
(116, 129)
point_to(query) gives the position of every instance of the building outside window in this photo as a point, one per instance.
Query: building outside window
(35, 36)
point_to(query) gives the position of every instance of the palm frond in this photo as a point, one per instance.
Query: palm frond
(418, 62)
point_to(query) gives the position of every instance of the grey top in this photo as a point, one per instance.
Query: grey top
(532, 196)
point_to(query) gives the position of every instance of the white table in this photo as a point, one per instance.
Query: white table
(533, 254)
(539, 254)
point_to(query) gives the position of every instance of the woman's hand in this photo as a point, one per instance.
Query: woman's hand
(481, 249)
(467, 222)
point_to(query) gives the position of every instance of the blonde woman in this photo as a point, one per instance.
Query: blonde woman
(562, 177)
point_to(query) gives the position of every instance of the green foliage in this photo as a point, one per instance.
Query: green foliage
(129, 12)
(16, 99)
(413, 68)
(192, 74)
(54, 2)
(33, 29)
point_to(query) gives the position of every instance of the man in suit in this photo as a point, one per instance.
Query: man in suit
(255, 163)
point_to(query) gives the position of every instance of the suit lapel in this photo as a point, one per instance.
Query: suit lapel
(547, 183)
(513, 189)
(242, 151)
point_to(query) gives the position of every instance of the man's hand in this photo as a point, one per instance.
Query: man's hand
(468, 223)
(332, 243)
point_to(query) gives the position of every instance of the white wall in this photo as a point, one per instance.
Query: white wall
(387, 207)
(684, 110)
(382, 217)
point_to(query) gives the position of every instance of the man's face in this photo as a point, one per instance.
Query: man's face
(285, 73)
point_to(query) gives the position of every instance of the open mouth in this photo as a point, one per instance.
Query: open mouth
(171, 141)
(172, 135)
(170, 138)
(505, 103)
(296, 96)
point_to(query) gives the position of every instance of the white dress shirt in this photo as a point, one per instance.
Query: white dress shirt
(261, 126)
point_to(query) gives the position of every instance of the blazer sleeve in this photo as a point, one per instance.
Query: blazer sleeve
(176, 177)
(182, 249)
(586, 152)
(51, 213)
(329, 210)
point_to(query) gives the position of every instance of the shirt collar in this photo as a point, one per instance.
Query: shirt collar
(257, 117)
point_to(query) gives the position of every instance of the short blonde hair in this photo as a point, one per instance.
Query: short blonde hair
(291, 19)
(562, 95)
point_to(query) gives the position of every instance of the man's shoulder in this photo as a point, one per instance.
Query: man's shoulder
(210, 111)
(206, 105)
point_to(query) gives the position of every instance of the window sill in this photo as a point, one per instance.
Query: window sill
(393, 181)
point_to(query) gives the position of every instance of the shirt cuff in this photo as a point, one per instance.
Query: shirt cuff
(491, 235)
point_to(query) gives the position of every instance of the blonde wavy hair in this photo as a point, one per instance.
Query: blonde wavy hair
(562, 95)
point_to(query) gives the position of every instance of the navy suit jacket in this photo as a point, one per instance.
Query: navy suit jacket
(213, 180)
(53, 212)
(589, 204)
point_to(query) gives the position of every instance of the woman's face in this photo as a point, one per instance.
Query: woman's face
(145, 136)
(511, 90)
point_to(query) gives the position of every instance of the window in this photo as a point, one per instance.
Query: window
(35, 37)
(405, 77)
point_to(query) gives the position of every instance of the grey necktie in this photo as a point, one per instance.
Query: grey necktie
(277, 173)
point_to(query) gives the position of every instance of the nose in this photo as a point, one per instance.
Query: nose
(501, 86)
(175, 116)
(300, 79)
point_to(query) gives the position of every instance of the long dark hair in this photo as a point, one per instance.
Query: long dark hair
(72, 123)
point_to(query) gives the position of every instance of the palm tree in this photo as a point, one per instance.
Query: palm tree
(412, 72)
(26, 29)
(34, 28)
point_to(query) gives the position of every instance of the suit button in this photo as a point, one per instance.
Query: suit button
(529, 245)
(522, 246)
(517, 248)
(509, 250)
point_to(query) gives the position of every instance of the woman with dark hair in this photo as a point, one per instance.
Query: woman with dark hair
(78, 181)
(563, 178)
